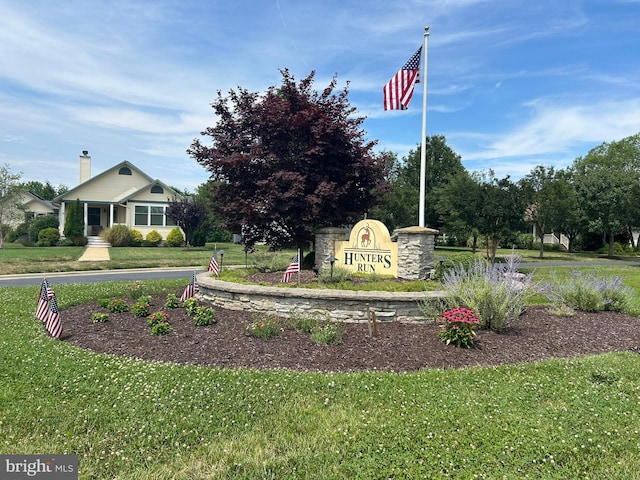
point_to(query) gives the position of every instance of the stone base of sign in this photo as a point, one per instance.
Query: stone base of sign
(325, 243)
(416, 247)
(337, 305)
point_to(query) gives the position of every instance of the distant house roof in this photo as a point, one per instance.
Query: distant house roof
(30, 198)
(122, 168)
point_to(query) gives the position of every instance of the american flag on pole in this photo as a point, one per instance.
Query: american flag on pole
(294, 267)
(54, 324)
(191, 289)
(213, 263)
(399, 90)
(46, 294)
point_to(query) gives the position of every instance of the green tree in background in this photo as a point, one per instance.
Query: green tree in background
(606, 180)
(10, 200)
(402, 203)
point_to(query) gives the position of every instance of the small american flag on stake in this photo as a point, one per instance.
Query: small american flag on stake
(399, 90)
(46, 294)
(191, 289)
(54, 324)
(213, 263)
(294, 267)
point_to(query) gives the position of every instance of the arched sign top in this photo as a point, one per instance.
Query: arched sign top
(369, 249)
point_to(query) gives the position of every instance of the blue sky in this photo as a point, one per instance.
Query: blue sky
(511, 83)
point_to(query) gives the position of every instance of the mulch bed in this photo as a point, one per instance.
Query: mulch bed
(399, 347)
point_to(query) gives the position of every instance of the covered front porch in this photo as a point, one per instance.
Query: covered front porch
(97, 216)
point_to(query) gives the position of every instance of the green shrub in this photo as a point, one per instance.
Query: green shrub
(175, 238)
(66, 242)
(329, 334)
(117, 236)
(172, 301)
(267, 262)
(339, 274)
(191, 306)
(162, 328)
(74, 220)
(158, 317)
(117, 305)
(266, 327)
(80, 241)
(42, 223)
(204, 316)
(141, 308)
(136, 238)
(43, 243)
(51, 235)
(153, 239)
(100, 317)
(303, 323)
(457, 327)
(104, 302)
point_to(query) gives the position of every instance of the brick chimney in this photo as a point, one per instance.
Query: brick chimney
(85, 166)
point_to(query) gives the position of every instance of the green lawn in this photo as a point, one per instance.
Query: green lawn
(130, 419)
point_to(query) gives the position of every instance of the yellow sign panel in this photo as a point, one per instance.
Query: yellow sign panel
(368, 250)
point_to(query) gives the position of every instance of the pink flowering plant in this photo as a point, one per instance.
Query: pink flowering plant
(458, 326)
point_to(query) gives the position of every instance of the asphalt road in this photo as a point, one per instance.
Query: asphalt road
(98, 276)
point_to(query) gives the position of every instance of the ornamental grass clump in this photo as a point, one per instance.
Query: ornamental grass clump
(458, 327)
(588, 292)
(496, 293)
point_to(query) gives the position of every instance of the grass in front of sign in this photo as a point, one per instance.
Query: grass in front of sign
(131, 419)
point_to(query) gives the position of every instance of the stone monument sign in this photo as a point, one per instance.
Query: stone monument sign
(368, 250)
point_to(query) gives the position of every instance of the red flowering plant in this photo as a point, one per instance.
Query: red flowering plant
(458, 326)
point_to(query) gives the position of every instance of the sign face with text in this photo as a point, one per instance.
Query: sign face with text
(368, 250)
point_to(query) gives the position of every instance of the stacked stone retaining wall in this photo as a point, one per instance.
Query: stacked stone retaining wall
(339, 305)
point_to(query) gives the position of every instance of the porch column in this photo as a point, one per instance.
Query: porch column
(61, 218)
(86, 217)
(110, 215)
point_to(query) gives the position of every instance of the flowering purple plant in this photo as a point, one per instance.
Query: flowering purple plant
(458, 326)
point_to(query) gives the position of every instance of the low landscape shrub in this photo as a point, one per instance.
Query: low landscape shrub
(172, 301)
(117, 236)
(100, 317)
(49, 235)
(204, 316)
(117, 305)
(175, 238)
(264, 327)
(458, 327)
(136, 238)
(153, 239)
(191, 306)
(329, 334)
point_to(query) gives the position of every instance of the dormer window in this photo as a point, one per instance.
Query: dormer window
(157, 189)
(124, 171)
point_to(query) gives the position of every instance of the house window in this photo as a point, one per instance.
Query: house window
(152, 215)
(142, 214)
(124, 171)
(157, 189)
(157, 216)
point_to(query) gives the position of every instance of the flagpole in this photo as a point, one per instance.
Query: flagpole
(423, 149)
